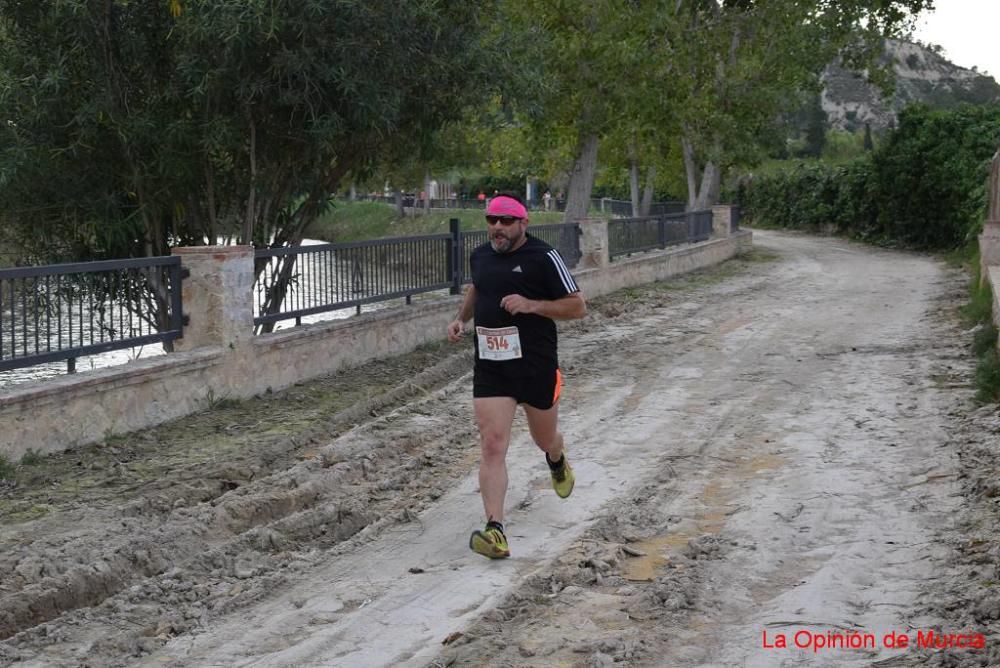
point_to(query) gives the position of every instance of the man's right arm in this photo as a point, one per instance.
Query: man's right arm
(465, 313)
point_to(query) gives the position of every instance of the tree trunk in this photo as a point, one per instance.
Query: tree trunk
(691, 170)
(711, 182)
(248, 220)
(581, 180)
(427, 192)
(647, 194)
(353, 196)
(633, 183)
(212, 231)
(400, 212)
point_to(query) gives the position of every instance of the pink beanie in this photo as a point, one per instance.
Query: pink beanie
(506, 207)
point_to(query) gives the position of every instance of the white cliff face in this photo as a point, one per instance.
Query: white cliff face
(921, 76)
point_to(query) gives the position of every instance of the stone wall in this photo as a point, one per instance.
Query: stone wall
(993, 275)
(989, 242)
(218, 357)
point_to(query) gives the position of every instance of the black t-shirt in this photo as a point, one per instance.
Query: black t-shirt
(535, 271)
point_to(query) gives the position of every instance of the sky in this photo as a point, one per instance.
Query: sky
(967, 29)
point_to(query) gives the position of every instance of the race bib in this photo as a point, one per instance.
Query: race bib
(499, 344)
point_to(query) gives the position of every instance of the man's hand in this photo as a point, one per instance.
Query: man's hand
(515, 304)
(455, 331)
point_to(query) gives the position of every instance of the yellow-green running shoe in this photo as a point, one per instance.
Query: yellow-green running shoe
(490, 542)
(562, 477)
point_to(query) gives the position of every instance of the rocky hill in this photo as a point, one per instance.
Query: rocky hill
(922, 75)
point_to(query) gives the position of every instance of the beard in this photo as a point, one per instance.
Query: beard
(501, 243)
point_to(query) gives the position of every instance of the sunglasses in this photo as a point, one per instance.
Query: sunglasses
(506, 221)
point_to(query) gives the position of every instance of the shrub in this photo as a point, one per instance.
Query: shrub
(988, 377)
(923, 187)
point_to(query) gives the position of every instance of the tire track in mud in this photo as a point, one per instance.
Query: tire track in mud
(80, 567)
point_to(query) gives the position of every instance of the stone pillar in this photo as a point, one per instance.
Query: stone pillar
(593, 243)
(722, 221)
(217, 296)
(989, 245)
(993, 276)
(989, 240)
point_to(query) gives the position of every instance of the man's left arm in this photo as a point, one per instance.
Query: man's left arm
(568, 307)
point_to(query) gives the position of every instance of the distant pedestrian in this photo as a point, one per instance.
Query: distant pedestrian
(547, 200)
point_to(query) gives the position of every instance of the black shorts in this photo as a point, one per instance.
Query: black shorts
(540, 391)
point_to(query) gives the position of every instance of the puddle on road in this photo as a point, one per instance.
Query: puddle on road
(644, 568)
(734, 324)
(717, 501)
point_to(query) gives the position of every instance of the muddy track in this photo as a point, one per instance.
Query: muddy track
(137, 521)
(233, 518)
(744, 438)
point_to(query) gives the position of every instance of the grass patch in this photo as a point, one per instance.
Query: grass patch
(963, 258)
(978, 313)
(27, 513)
(979, 309)
(357, 221)
(756, 254)
(988, 377)
(31, 458)
(7, 469)
(984, 340)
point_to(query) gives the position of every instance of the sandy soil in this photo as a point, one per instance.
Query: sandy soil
(783, 446)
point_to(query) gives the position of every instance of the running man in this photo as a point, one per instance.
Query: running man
(520, 285)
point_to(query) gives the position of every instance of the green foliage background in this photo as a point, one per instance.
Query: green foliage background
(924, 187)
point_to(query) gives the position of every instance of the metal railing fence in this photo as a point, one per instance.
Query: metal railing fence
(330, 277)
(65, 311)
(606, 205)
(636, 235)
(623, 208)
(300, 281)
(564, 237)
(62, 312)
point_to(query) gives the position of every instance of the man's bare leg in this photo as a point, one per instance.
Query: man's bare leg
(494, 416)
(544, 428)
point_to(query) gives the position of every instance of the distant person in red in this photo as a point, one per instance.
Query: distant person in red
(481, 196)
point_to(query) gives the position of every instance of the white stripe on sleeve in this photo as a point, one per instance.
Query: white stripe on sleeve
(564, 274)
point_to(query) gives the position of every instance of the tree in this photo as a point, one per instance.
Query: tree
(134, 125)
(585, 52)
(222, 117)
(751, 56)
(815, 128)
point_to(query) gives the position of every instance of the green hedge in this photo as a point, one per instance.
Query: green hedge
(924, 187)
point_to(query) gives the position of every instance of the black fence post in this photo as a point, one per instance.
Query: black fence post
(661, 231)
(455, 259)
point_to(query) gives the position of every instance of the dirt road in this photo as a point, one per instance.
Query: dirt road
(777, 448)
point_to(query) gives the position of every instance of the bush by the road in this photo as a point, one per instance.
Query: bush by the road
(924, 187)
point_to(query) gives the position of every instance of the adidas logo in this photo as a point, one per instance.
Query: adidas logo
(518, 269)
